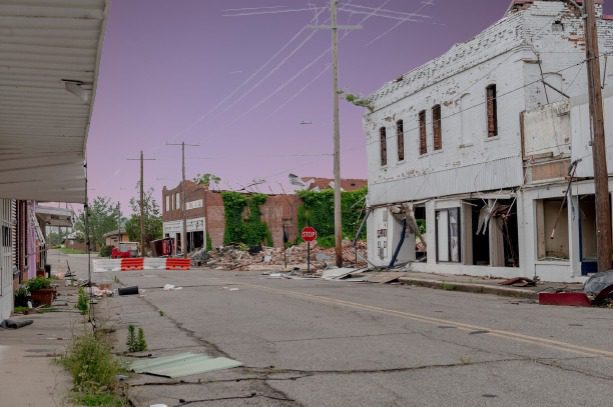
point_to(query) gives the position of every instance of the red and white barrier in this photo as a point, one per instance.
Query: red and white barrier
(178, 264)
(140, 263)
(106, 265)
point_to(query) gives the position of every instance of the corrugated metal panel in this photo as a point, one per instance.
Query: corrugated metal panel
(487, 176)
(43, 127)
(183, 364)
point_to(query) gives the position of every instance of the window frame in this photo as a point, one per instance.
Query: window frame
(383, 146)
(491, 108)
(423, 133)
(437, 129)
(400, 140)
(450, 254)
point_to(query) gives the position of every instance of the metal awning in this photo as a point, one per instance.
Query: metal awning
(49, 58)
(55, 216)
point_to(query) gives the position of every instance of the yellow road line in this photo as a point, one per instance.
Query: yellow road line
(515, 336)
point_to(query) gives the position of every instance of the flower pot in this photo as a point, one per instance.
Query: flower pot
(44, 296)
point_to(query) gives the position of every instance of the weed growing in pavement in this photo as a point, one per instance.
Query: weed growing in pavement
(99, 400)
(136, 343)
(115, 279)
(161, 313)
(448, 286)
(93, 369)
(141, 342)
(21, 310)
(83, 302)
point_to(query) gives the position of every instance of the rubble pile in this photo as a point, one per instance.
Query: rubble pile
(269, 258)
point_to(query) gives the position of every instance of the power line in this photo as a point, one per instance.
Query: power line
(503, 94)
(249, 80)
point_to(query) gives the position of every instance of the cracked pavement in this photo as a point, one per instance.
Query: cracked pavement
(327, 343)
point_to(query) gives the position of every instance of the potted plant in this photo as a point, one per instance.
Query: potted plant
(41, 291)
(21, 297)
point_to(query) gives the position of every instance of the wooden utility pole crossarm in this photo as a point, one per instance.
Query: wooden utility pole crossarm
(599, 156)
(142, 160)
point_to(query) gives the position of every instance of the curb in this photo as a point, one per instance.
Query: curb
(470, 288)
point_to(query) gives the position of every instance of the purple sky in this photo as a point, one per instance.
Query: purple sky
(177, 71)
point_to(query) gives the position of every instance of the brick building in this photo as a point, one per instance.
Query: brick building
(476, 147)
(205, 215)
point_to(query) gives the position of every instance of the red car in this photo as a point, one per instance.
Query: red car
(125, 250)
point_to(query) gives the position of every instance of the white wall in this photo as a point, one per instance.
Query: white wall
(581, 135)
(6, 260)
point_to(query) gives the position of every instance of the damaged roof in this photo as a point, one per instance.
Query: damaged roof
(49, 59)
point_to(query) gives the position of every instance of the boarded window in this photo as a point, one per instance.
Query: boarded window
(400, 139)
(423, 142)
(436, 127)
(383, 146)
(492, 111)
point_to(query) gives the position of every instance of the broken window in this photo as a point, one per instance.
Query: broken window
(493, 238)
(421, 250)
(492, 111)
(436, 127)
(448, 235)
(552, 229)
(557, 26)
(587, 227)
(400, 139)
(383, 146)
(423, 141)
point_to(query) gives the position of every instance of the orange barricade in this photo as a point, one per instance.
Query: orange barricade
(128, 264)
(178, 264)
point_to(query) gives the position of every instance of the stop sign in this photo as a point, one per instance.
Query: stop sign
(309, 234)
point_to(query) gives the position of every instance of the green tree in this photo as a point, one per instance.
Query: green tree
(103, 215)
(153, 219)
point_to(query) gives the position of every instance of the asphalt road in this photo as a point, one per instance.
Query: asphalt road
(324, 343)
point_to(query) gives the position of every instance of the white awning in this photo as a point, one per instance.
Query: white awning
(49, 58)
(55, 216)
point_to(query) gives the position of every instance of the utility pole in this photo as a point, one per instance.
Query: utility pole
(338, 229)
(184, 245)
(599, 156)
(118, 224)
(142, 160)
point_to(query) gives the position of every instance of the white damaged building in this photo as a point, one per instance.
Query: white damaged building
(480, 160)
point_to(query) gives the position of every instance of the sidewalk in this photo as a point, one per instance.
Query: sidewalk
(29, 375)
(483, 285)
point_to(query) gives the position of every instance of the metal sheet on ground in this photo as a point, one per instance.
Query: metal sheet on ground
(339, 273)
(384, 277)
(184, 364)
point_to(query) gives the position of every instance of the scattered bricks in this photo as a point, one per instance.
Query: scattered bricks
(237, 258)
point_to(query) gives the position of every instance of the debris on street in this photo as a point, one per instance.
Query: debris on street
(266, 258)
(520, 282)
(128, 290)
(599, 287)
(182, 364)
(16, 323)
